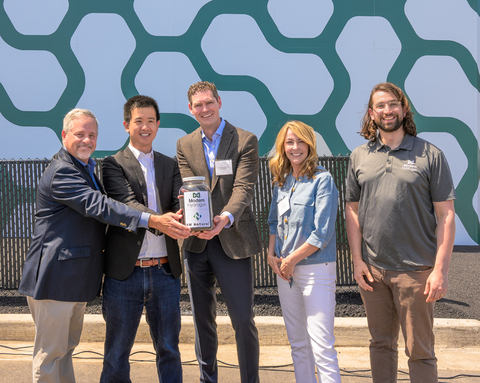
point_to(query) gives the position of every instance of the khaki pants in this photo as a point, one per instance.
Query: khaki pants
(398, 301)
(58, 326)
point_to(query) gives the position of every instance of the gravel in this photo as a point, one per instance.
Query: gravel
(349, 304)
(461, 301)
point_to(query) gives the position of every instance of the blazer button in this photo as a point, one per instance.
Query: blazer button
(139, 243)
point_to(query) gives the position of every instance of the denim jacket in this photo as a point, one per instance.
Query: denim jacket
(310, 218)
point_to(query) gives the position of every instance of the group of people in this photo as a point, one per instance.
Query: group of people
(120, 238)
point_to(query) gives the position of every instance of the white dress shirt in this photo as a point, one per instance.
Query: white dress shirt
(153, 246)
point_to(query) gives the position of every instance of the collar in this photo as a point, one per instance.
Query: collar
(90, 165)
(137, 153)
(406, 144)
(218, 133)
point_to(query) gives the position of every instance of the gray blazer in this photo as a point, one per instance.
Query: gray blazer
(65, 259)
(124, 181)
(232, 193)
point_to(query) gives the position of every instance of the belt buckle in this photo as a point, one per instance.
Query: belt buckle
(141, 263)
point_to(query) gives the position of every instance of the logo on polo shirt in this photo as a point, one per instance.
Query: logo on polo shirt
(410, 165)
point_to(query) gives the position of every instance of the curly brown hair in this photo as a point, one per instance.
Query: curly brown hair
(370, 130)
(280, 165)
(201, 86)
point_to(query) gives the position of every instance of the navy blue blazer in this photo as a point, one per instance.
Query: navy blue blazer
(65, 259)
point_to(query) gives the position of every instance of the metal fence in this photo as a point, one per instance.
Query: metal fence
(18, 180)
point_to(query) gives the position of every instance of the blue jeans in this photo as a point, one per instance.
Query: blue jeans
(123, 302)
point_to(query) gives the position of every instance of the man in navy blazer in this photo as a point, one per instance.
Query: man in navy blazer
(141, 269)
(64, 265)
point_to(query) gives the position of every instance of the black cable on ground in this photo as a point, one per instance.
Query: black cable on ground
(223, 364)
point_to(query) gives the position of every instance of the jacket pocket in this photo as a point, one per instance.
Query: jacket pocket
(73, 252)
(304, 201)
(247, 216)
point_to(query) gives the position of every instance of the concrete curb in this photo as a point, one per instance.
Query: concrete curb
(349, 332)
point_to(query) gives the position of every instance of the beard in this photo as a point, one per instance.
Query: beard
(84, 152)
(391, 127)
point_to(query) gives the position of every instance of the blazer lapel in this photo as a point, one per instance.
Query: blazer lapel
(99, 183)
(137, 170)
(199, 156)
(66, 156)
(158, 165)
(223, 147)
(86, 175)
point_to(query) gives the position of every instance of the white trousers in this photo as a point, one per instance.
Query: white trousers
(58, 326)
(308, 309)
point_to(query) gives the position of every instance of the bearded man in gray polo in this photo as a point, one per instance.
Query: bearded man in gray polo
(401, 228)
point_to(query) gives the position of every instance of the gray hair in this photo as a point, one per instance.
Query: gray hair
(75, 113)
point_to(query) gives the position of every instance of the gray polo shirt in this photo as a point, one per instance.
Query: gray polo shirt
(396, 190)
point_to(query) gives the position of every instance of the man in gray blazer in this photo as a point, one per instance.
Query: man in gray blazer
(64, 265)
(228, 159)
(141, 264)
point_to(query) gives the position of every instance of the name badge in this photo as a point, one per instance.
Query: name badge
(283, 206)
(223, 167)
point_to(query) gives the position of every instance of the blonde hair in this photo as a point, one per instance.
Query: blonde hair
(280, 165)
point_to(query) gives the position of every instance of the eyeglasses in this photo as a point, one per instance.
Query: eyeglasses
(391, 105)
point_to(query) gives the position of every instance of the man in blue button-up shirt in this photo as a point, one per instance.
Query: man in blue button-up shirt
(228, 159)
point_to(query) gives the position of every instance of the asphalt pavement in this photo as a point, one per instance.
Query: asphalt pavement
(464, 282)
(457, 342)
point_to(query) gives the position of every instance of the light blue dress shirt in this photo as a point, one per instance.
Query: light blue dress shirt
(210, 148)
(310, 218)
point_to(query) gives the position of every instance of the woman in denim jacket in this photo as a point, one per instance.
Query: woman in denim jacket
(302, 251)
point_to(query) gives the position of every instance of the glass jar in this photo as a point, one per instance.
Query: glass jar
(196, 203)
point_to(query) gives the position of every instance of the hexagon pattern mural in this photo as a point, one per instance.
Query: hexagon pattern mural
(272, 61)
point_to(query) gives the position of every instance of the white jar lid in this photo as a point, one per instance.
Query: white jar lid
(198, 178)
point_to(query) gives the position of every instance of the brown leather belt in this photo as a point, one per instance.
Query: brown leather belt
(148, 262)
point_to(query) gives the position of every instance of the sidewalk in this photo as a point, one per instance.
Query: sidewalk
(457, 348)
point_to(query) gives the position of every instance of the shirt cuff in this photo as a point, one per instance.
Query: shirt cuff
(272, 230)
(230, 217)
(143, 222)
(317, 242)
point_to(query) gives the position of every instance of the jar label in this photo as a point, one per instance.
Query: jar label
(197, 210)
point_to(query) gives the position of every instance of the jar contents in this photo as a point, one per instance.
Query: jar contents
(196, 203)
